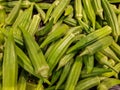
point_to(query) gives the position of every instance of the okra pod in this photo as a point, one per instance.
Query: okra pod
(89, 62)
(34, 25)
(13, 14)
(74, 74)
(78, 9)
(56, 34)
(41, 12)
(64, 74)
(90, 38)
(22, 82)
(55, 76)
(89, 10)
(59, 9)
(111, 18)
(98, 7)
(108, 83)
(109, 53)
(115, 47)
(10, 66)
(97, 46)
(103, 60)
(68, 10)
(36, 55)
(49, 11)
(95, 72)
(88, 83)
(59, 50)
(70, 21)
(65, 59)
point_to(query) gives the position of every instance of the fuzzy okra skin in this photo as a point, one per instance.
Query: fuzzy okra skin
(10, 66)
(111, 18)
(36, 56)
(90, 38)
(74, 74)
(97, 46)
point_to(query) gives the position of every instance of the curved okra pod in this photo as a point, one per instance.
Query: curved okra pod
(74, 74)
(36, 56)
(111, 18)
(90, 38)
(97, 46)
(10, 65)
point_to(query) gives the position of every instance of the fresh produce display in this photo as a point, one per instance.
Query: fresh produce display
(59, 44)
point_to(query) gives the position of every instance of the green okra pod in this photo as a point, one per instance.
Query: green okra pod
(89, 63)
(78, 9)
(97, 46)
(88, 83)
(115, 47)
(10, 65)
(103, 60)
(95, 72)
(108, 83)
(109, 53)
(13, 14)
(49, 11)
(34, 25)
(74, 74)
(89, 10)
(54, 35)
(111, 18)
(36, 55)
(59, 9)
(41, 12)
(64, 74)
(90, 38)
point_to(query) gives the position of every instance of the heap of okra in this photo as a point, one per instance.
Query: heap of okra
(59, 44)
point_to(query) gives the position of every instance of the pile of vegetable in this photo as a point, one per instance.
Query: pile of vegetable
(59, 45)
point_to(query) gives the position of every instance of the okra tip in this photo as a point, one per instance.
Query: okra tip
(43, 71)
(85, 52)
